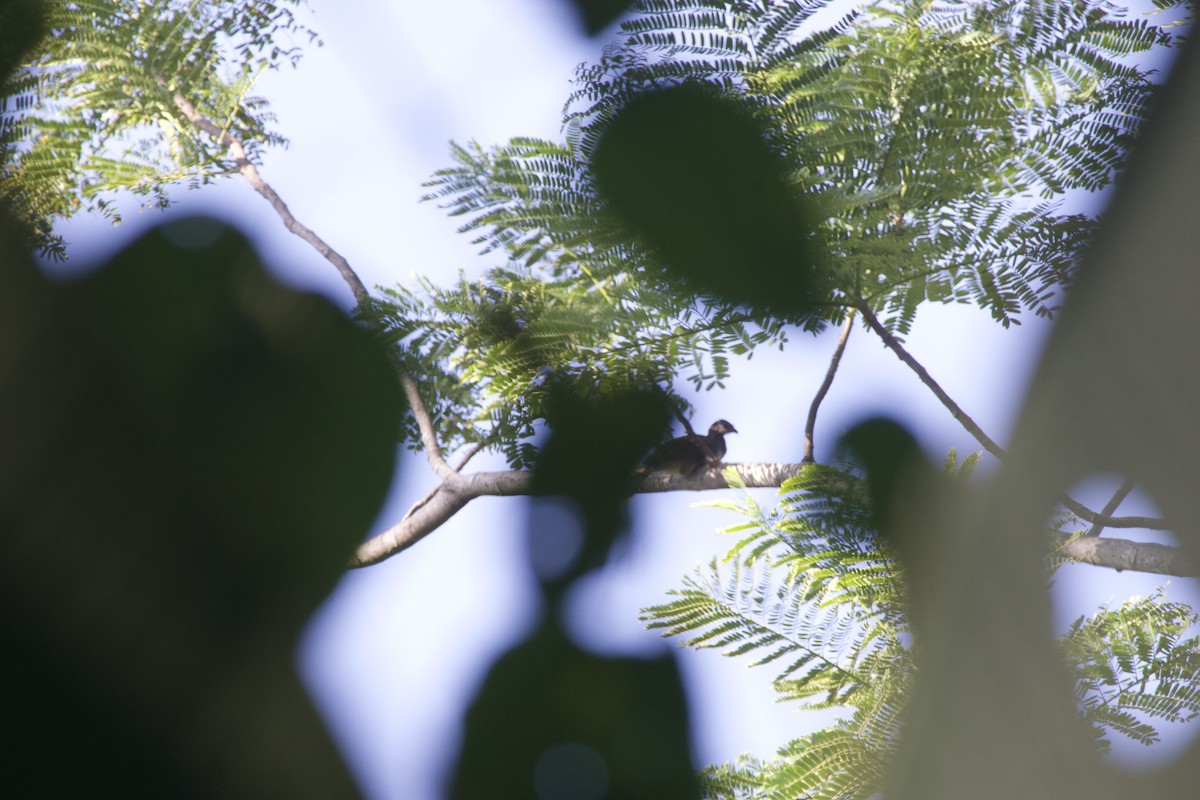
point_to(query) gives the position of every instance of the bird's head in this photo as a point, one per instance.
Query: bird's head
(722, 427)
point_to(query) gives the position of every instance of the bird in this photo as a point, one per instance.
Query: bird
(687, 455)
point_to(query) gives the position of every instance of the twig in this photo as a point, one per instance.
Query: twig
(417, 506)
(1086, 514)
(224, 138)
(471, 451)
(1100, 520)
(475, 448)
(811, 425)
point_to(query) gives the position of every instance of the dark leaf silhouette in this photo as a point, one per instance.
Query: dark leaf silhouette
(192, 451)
(596, 15)
(692, 173)
(590, 459)
(552, 720)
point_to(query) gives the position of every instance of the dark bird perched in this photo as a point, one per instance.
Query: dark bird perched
(687, 455)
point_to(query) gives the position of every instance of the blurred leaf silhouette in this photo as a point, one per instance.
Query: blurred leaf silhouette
(1000, 694)
(552, 721)
(597, 15)
(590, 457)
(692, 172)
(887, 451)
(23, 22)
(1138, 418)
(192, 451)
(992, 714)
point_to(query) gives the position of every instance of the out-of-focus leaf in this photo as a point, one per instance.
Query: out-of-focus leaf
(22, 23)
(191, 451)
(596, 15)
(553, 721)
(691, 173)
(590, 458)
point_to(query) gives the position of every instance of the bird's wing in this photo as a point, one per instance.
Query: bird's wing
(714, 447)
(685, 454)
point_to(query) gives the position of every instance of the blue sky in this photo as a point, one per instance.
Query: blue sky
(393, 656)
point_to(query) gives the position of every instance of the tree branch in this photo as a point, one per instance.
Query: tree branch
(458, 490)
(1122, 554)
(432, 450)
(964, 419)
(467, 456)
(1099, 519)
(811, 425)
(1110, 507)
(250, 173)
(428, 437)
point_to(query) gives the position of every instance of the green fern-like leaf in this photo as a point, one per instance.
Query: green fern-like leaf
(1133, 666)
(809, 593)
(93, 112)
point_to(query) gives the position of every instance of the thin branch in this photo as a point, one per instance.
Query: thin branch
(1110, 507)
(1098, 518)
(428, 437)
(471, 451)
(964, 419)
(1085, 513)
(456, 492)
(811, 425)
(224, 138)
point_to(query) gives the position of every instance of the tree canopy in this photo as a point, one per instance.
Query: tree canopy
(1027, 104)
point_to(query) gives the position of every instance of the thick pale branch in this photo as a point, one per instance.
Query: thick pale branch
(439, 506)
(1122, 554)
(475, 448)
(458, 490)
(250, 173)
(755, 476)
